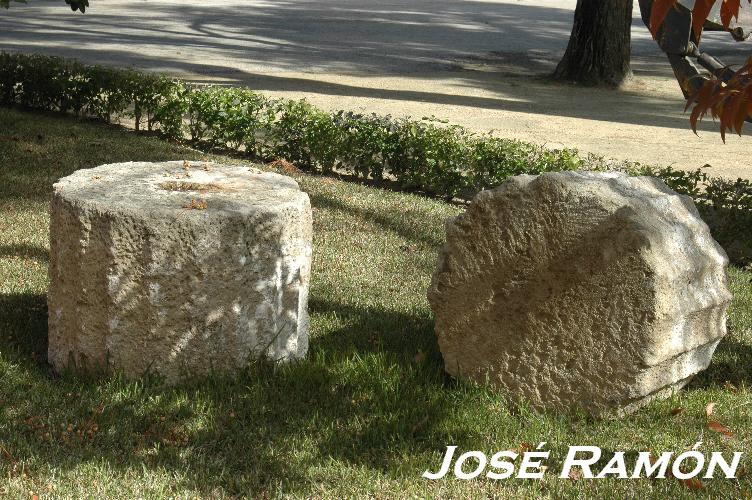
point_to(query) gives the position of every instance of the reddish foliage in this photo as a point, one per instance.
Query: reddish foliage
(719, 428)
(700, 13)
(730, 103)
(693, 483)
(658, 14)
(729, 11)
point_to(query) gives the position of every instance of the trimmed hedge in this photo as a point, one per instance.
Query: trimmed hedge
(425, 155)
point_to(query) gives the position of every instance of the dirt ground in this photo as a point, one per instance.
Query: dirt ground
(478, 63)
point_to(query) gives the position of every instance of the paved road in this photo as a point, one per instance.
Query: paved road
(466, 60)
(225, 38)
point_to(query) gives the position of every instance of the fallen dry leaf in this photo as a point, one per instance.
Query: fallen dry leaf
(677, 411)
(196, 205)
(709, 409)
(6, 455)
(284, 165)
(692, 483)
(730, 387)
(525, 447)
(717, 427)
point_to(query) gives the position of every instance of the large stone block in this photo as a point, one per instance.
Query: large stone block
(176, 268)
(592, 290)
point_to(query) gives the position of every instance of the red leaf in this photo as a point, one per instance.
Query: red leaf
(700, 14)
(697, 113)
(702, 96)
(741, 115)
(658, 14)
(729, 11)
(717, 427)
(725, 109)
(692, 483)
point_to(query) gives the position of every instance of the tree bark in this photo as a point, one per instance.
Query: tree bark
(599, 46)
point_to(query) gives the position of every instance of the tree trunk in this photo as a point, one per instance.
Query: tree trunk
(599, 46)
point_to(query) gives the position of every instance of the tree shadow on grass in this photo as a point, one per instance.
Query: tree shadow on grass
(23, 250)
(23, 326)
(732, 362)
(731, 227)
(359, 398)
(403, 226)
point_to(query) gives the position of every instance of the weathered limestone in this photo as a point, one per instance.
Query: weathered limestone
(591, 290)
(178, 269)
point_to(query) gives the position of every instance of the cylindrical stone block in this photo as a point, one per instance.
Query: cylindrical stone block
(177, 268)
(596, 291)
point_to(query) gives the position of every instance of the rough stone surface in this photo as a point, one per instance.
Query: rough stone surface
(592, 290)
(177, 268)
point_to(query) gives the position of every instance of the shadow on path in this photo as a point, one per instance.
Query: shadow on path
(423, 40)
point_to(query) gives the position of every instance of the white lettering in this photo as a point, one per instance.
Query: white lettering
(615, 466)
(529, 464)
(444, 465)
(729, 470)
(506, 466)
(677, 471)
(644, 462)
(583, 464)
(479, 456)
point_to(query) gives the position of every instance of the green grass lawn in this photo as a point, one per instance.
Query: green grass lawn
(364, 414)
